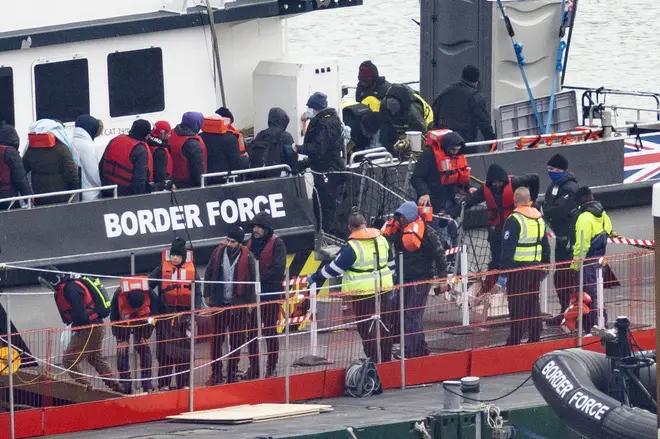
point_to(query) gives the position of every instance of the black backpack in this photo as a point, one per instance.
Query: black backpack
(99, 295)
(362, 379)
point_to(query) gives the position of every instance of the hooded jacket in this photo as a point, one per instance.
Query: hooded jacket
(13, 165)
(462, 108)
(83, 142)
(324, 142)
(497, 173)
(272, 275)
(409, 117)
(426, 180)
(560, 203)
(592, 220)
(272, 146)
(378, 87)
(223, 154)
(51, 170)
(216, 291)
(428, 262)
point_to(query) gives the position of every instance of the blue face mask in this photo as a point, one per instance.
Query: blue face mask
(556, 176)
(310, 113)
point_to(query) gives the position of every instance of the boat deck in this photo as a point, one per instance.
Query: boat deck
(390, 407)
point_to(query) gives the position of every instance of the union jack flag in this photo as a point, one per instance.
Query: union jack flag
(641, 164)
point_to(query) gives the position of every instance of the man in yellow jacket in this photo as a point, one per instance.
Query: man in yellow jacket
(592, 228)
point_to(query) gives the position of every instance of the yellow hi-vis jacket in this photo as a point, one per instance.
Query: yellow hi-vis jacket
(363, 278)
(592, 226)
(532, 229)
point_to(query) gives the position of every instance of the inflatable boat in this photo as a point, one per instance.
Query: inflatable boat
(601, 396)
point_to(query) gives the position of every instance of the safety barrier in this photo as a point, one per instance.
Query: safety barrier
(30, 198)
(232, 175)
(57, 367)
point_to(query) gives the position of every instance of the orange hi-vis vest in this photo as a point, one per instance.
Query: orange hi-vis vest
(452, 169)
(139, 283)
(175, 293)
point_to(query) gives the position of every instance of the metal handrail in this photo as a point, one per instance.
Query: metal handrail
(234, 174)
(591, 99)
(72, 192)
(379, 155)
(366, 152)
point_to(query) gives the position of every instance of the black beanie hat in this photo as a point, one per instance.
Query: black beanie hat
(318, 101)
(583, 194)
(136, 298)
(236, 233)
(470, 73)
(558, 161)
(140, 129)
(9, 136)
(178, 247)
(224, 112)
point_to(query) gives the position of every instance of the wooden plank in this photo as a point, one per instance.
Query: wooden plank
(251, 413)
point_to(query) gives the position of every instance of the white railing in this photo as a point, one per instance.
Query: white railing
(231, 175)
(72, 193)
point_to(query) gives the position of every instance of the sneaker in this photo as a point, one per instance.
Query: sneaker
(271, 373)
(147, 387)
(164, 388)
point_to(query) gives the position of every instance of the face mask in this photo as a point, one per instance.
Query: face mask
(556, 176)
(310, 113)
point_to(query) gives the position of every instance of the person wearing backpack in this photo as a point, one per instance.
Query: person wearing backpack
(274, 145)
(82, 304)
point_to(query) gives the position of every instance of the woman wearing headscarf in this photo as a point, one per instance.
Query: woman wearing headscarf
(87, 128)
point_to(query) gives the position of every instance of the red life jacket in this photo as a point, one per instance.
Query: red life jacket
(117, 164)
(64, 307)
(5, 172)
(126, 311)
(177, 293)
(168, 165)
(241, 273)
(452, 169)
(180, 168)
(498, 214)
(412, 235)
(266, 256)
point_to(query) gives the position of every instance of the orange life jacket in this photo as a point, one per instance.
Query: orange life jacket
(412, 235)
(452, 169)
(241, 142)
(64, 307)
(498, 214)
(425, 213)
(117, 164)
(180, 168)
(41, 140)
(216, 124)
(572, 313)
(177, 293)
(126, 311)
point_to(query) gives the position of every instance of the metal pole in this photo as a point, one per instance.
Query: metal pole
(600, 299)
(257, 289)
(477, 425)
(10, 365)
(544, 295)
(287, 313)
(464, 286)
(379, 354)
(581, 289)
(132, 264)
(313, 327)
(402, 338)
(656, 233)
(131, 341)
(191, 372)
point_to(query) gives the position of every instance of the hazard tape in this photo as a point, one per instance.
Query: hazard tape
(295, 320)
(625, 241)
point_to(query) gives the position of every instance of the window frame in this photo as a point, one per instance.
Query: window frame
(42, 62)
(11, 121)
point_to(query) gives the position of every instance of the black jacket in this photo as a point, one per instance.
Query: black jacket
(428, 262)
(154, 285)
(272, 146)
(510, 236)
(160, 158)
(193, 152)
(19, 182)
(560, 203)
(324, 142)
(271, 279)
(462, 108)
(51, 170)
(216, 291)
(223, 154)
(410, 116)
(140, 177)
(75, 295)
(377, 89)
(426, 181)
(154, 307)
(497, 173)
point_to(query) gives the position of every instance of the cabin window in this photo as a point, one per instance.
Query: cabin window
(135, 82)
(62, 90)
(7, 95)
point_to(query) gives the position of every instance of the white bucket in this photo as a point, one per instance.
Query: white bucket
(415, 139)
